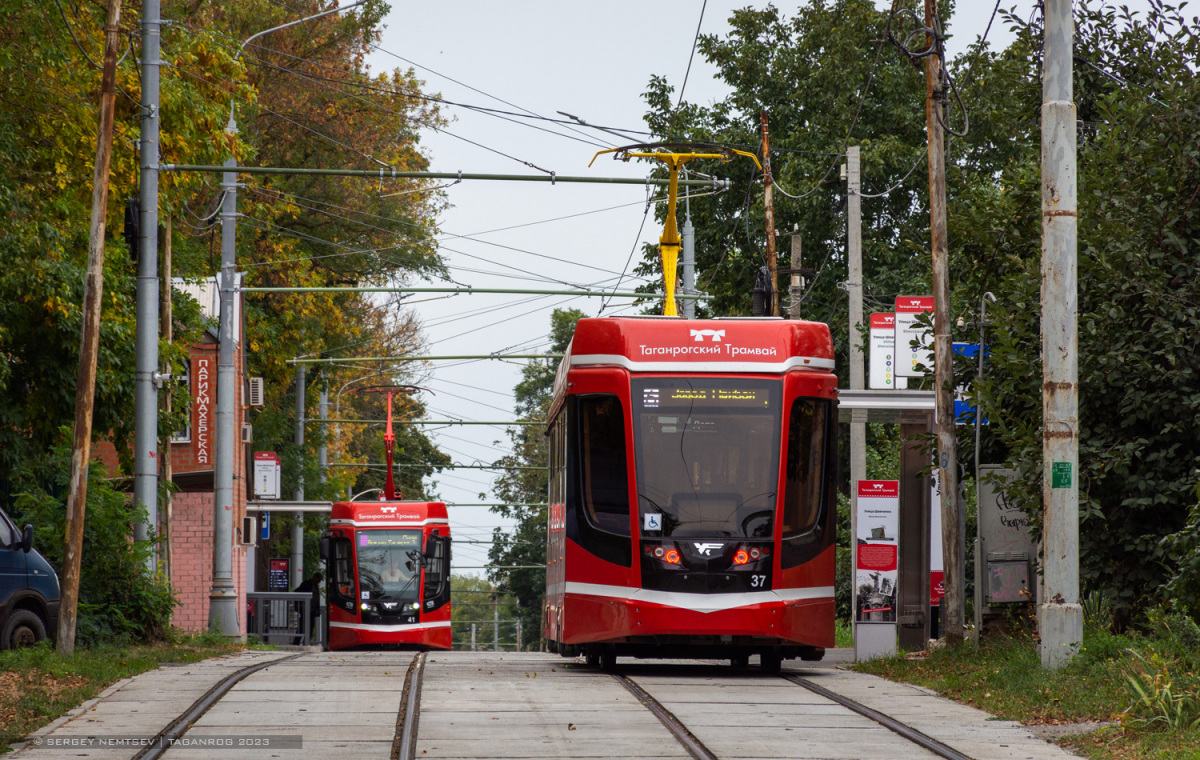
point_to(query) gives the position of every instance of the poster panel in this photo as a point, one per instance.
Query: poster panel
(877, 550)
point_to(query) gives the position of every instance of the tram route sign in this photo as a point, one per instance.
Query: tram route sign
(882, 364)
(266, 475)
(909, 360)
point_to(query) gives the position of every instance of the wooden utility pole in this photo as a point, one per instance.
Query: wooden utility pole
(89, 344)
(769, 203)
(953, 546)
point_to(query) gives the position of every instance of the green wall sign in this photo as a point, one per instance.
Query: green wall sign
(1060, 475)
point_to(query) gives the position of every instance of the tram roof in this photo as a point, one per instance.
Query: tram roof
(388, 513)
(669, 344)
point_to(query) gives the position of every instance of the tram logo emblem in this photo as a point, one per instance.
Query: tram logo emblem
(388, 510)
(706, 548)
(716, 335)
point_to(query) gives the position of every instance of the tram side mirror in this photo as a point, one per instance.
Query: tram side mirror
(430, 544)
(323, 547)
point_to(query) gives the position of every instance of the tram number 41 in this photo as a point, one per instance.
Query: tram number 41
(758, 581)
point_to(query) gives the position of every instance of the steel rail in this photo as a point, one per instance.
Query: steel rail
(908, 732)
(694, 746)
(404, 745)
(162, 741)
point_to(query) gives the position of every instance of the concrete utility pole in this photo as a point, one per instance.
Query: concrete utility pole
(298, 494)
(222, 607)
(796, 286)
(146, 378)
(1060, 615)
(858, 425)
(953, 540)
(167, 331)
(688, 236)
(89, 343)
(769, 205)
(323, 449)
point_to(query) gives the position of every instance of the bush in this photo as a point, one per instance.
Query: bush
(119, 600)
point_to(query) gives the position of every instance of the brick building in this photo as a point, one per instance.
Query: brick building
(186, 525)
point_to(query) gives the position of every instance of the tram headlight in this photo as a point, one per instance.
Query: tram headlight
(365, 606)
(415, 605)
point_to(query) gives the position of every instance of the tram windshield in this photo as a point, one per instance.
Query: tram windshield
(707, 455)
(389, 564)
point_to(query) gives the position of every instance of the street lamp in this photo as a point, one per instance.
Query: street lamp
(983, 302)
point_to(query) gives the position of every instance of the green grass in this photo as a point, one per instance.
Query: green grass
(1004, 677)
(38, 684)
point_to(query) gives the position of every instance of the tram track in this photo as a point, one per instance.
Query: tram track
(697, 749)
(690, 742)
(163, 740)
(923, 740)
(404, 746)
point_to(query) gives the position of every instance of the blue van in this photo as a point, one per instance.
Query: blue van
(29, 593)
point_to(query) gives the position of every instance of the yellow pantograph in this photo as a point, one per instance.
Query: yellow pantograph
(668, 242)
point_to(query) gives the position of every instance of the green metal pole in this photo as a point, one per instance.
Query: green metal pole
(588, 293)
(715, 184)
(331, 360)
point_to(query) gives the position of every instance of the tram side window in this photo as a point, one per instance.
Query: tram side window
(805, 455)
(604, 477)
(342, 588)
(437, 571)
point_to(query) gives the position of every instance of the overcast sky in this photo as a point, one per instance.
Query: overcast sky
(592, 60)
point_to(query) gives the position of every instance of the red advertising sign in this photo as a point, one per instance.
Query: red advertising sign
(202, 409)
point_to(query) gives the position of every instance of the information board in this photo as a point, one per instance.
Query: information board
(877, 551)
(909, 360)
(266, 475)
(882, 361)
(277, 574)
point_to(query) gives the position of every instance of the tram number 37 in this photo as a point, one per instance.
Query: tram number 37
(757, 581)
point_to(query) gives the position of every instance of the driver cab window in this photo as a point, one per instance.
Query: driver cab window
(805, 454)
(604, 476)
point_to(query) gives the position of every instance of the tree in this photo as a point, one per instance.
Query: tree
(524, 482)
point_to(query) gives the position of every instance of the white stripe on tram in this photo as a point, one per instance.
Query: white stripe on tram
(700, 602)
(389, 628)
(794, 362)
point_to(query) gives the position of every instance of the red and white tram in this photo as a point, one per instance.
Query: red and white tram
(388, 581)
(692, 491)
(388, 575)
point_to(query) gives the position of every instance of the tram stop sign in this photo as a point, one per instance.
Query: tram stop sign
(266, 475)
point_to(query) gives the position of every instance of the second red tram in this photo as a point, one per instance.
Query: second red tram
(692, 494)
(388, 581)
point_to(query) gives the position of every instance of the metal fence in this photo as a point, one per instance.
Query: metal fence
(282, 617)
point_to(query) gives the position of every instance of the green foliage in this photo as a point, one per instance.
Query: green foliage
(525, 544)
(118, 600)
(783, 65)
(1158, 700)
(476, 602)
(1139, 296)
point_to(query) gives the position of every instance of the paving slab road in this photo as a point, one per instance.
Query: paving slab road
(476, 705)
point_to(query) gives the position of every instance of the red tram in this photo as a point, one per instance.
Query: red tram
(388, 575)
(389, 568)
(691, 489)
